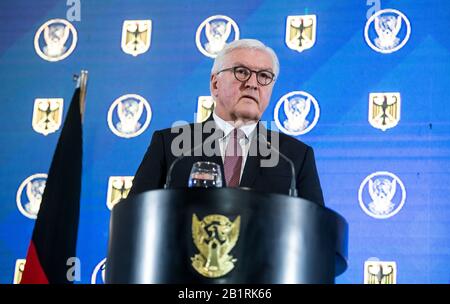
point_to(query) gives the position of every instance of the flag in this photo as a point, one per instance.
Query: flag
(55, 231)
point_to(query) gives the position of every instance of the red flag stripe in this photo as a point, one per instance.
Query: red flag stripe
(33, 272)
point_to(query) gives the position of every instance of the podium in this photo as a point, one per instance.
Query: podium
(225, 235)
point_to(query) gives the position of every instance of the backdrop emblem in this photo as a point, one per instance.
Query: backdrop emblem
(98, 275)
(296, 113)
(213, 33)
(18, 270)
(387, 31)
(381, 195)
(214, 236)
(136, 36)
(47, 115)
(29, 195)
(129, 115)
(301, 32)
(378, 272)
(205, 108)
(384, 110)
(118, 189)
(55, 40)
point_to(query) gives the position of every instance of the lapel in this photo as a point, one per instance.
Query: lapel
(253, 162)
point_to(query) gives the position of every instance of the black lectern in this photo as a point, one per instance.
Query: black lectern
(224, 235)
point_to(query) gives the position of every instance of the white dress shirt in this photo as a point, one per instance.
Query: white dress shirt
(244, 142)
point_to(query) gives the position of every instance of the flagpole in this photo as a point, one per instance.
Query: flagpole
(82, 85)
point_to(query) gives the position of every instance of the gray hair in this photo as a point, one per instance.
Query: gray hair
(245, 44)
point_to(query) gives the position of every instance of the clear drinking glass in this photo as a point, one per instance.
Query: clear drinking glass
(205, 175)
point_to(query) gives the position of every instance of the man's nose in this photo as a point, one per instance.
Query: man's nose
(252, 82)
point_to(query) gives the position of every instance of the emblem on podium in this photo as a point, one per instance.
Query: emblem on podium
(136, 36)
(47, 115)
(301, 32)
(214, 236)
(378, 272)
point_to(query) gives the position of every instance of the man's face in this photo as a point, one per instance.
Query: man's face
(236, 100)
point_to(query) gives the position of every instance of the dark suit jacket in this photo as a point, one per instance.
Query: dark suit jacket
(152, 171)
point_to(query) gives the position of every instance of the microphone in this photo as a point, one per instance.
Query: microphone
(169, 172)
(293, 188)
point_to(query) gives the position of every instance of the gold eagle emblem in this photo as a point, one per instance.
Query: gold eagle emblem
(205, 107)
(118, 189)
(47, 115)
(215, 236)
(136, 36)
(384, 110)
(377, 272)
(301, 32)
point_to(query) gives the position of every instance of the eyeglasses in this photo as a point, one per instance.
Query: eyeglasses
(243, 74)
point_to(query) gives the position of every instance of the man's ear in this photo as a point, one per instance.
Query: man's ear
(213, 85)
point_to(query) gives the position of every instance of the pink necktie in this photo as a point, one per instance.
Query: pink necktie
(233, 159)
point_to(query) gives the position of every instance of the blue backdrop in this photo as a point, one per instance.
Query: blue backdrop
(340, 70)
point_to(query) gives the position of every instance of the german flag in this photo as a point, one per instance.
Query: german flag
(55, 232)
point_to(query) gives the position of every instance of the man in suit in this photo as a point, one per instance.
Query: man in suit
(241, 83)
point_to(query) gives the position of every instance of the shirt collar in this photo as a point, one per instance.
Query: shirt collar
(226, 127)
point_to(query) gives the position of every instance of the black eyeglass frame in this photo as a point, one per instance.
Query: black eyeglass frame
(250, 74)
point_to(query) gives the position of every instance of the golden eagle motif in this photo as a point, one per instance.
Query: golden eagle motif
(215, 236)
(205, 108)
(301, 32)
(377, 272)
(118, 189)
(136, 36)
(47, 115)
(384, 110)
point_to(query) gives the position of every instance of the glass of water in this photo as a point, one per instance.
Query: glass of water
(205, 175)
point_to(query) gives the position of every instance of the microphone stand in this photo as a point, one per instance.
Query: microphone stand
(293, 188)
